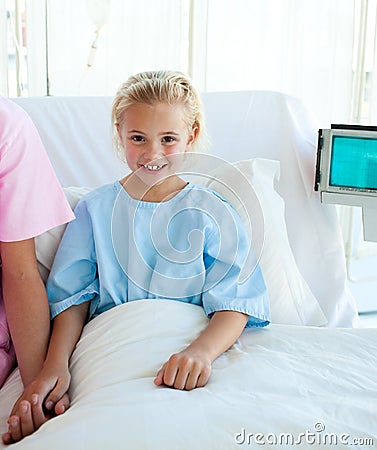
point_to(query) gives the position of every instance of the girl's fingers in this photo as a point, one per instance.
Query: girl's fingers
(203, 377)
(56, 394)
(192, 380)
(182, 374)
(180, 379)
(62, 405)
(159, 380)
(170, 373)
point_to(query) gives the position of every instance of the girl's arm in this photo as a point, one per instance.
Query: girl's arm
(66, 332)
(191, 367)
(53, 381)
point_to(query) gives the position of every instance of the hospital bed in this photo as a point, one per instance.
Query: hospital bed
(309, 379)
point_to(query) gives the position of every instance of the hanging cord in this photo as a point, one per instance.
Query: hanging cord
(93, 49)
(98, 11)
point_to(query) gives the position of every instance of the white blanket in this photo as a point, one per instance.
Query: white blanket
(282, 383)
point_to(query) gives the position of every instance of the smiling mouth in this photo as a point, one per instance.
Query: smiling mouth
(153, 167)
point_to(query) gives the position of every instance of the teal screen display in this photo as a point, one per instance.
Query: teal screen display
(353, 162)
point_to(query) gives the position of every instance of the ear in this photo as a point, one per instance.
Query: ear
(193, 135)
(118, 128)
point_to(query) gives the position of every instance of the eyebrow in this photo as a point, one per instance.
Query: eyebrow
(161, 134)
(134, 131)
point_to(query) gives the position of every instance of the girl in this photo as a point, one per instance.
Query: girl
(152, 235)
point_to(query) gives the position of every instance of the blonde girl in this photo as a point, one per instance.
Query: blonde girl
(152, 235)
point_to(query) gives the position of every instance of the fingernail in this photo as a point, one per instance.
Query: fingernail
(49, 405)
(23, 407)
(34, 399)
(14, 421)
(6, 439)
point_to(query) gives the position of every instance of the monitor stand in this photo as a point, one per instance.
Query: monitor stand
(370, 224)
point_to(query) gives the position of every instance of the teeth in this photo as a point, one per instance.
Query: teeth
(152, 167)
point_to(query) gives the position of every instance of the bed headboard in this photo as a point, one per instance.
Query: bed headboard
(76, 132)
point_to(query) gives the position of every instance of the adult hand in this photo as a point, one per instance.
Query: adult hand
(43, 399)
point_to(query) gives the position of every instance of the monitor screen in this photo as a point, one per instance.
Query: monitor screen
(353, 162)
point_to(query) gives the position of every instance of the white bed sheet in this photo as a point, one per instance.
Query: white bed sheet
(281, 379)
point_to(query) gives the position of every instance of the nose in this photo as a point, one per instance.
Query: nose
(153, 151)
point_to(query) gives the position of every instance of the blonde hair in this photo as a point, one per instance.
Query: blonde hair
(160, 86)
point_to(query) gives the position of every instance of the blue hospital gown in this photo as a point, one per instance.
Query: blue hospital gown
(191, 248)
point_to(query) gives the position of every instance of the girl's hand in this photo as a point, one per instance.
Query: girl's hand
(188, 369)
(41, 400)
(191, 368)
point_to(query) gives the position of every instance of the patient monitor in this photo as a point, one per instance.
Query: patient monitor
(346, 170)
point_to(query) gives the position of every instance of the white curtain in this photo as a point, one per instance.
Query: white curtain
(301, 47)
(371, 64)
(137, 35)
(304, 48)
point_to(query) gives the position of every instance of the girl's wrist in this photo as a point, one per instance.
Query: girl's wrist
(55, 361)
(203, 349)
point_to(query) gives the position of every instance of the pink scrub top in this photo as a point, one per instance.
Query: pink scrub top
(31, 198)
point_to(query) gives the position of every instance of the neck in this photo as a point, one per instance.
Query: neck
(159, 192)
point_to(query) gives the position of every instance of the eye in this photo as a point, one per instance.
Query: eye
(137, 138)
(168, 139)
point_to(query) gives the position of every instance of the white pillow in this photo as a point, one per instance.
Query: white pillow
(46, 244)
(291, 299)
(249, 187)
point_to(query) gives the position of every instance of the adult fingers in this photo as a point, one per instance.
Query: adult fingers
(39, 417)
(26, 419)
(7, 438)
(14, 429)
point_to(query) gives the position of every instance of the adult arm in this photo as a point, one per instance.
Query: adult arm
(28, 317)
(26, 306)
(52, 383)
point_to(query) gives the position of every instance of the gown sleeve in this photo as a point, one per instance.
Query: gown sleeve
(234, 280)
(74, 276)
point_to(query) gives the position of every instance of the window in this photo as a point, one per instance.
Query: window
(16, 74)
(319, 51)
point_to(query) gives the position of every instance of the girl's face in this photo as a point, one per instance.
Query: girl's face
(154, 138)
